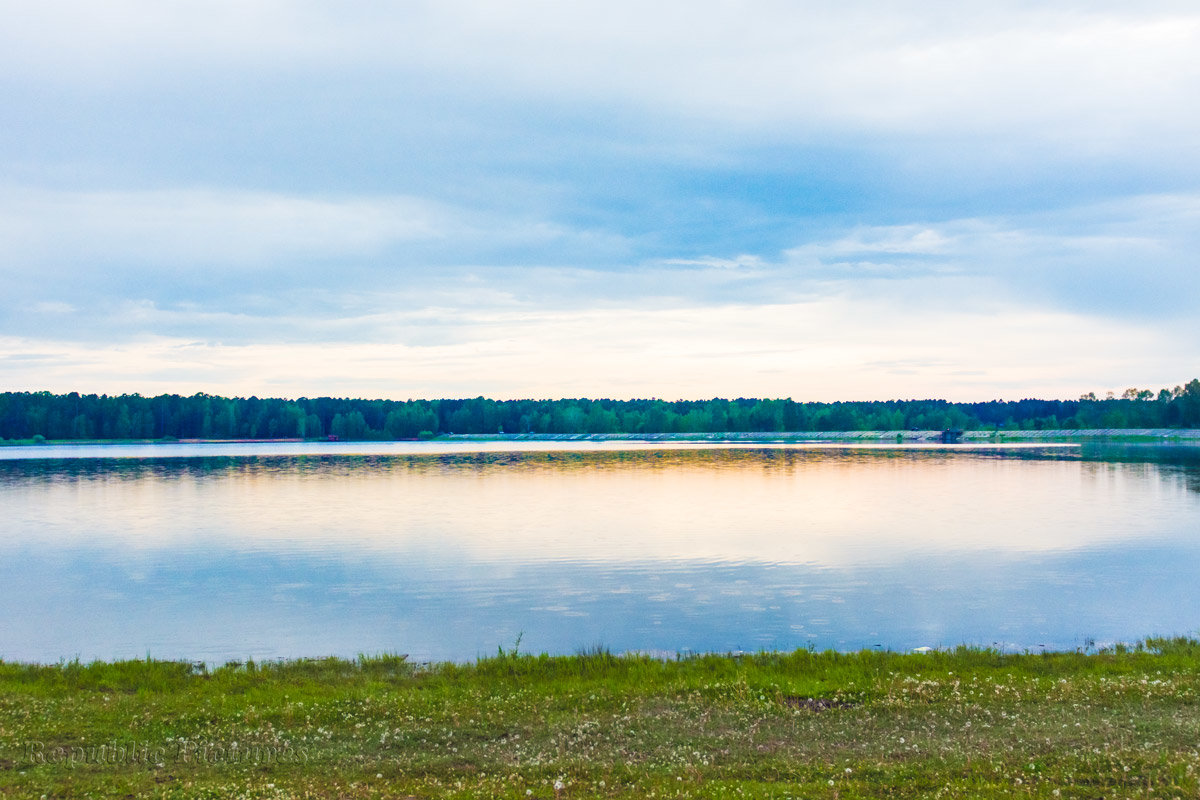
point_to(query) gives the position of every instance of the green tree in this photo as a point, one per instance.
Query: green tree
(349, 426)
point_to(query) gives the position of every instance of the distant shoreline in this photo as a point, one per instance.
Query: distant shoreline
(968, 437)
(881, 437)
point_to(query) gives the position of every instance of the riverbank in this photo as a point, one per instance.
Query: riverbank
(1120, 435)
(964, 723)
(1117, 435)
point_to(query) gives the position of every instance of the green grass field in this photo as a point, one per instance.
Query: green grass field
(964, 723)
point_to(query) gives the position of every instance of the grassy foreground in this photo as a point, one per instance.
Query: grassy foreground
(966, 723)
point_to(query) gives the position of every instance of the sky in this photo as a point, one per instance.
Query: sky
(868, 200)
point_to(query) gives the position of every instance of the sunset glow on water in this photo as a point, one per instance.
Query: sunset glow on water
(448, 555)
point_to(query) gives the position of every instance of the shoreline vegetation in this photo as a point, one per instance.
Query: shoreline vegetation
(38, 416)
(1119, 721)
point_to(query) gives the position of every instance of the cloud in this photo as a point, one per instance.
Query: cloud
(1091, 73)
(826, 349)
(218, 229)
(1131, 258)
(441, 178)
(220, 256)
(238, 268)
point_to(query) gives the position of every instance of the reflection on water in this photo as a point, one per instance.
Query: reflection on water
(447, 554)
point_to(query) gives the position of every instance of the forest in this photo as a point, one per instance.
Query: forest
(46, 416)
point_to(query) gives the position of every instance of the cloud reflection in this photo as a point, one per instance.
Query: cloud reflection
(452, 555)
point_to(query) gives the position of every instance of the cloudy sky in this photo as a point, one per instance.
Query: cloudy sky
(544, 199)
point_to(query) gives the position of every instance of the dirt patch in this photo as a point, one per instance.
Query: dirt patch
(814, 703)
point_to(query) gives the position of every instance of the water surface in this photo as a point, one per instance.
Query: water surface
(449, 551)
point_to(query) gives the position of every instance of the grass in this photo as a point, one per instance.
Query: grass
(961, 723)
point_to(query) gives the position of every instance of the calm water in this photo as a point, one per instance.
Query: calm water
(448, 551)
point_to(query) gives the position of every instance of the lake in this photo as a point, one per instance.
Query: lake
(450, 550)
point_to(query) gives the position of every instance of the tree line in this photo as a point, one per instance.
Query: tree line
(44, 415)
